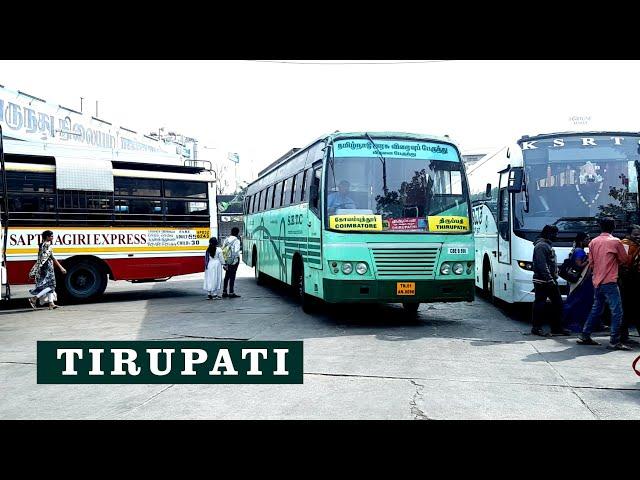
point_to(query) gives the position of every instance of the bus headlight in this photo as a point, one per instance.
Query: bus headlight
(525, 265)
(347, 268)
(458, 268)
(445, 268)
(361, 268)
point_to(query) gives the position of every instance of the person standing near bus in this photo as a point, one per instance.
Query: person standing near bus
(232, 261)
(606, 254)
(44, 273)
(630, 285)
(213, 262)
(580, 298)
(545, 283)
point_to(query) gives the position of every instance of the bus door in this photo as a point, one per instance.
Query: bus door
(503, 280)
(314, 216)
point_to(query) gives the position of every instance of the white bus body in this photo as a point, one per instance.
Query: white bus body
(569, 179)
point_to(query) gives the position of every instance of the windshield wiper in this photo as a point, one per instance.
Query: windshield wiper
(384, 165)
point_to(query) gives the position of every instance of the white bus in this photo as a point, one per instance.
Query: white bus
(115, 215)
(564, 179)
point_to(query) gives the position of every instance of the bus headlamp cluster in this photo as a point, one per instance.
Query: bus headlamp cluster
(347, 267)
(458, 268)
(525, 265)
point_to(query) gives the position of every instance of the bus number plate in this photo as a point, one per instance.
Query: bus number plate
(457, 251)
(406, 288)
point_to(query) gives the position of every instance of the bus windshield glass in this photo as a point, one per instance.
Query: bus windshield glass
(396, 185)
(573, 181)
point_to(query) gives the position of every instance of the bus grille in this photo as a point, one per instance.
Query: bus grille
(405, 263)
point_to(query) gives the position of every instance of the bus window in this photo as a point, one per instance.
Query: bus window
(137, 211)
(181, 212)
(26, 182)
(271, 196)
(277, 202)
(253, 203)
(258, 209)
(299, 186)
(266, 199)
(30, 197)
(292, 198)
(286, 193)
(503, 224)
(314, 200)
(137, 187)
(305, 184)
(185, 189)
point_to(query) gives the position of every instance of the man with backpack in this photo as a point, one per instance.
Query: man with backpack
(231, 254)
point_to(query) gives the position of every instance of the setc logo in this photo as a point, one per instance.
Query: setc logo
(635, 366)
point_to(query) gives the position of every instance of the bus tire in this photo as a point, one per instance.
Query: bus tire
(297, 281)
(487, 280)
(85, 280)
(259, 276)
(411, 308)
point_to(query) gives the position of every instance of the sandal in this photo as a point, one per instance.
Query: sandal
(53, 307)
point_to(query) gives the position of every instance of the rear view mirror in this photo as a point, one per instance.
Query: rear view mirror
(487, 192)
(516, 177)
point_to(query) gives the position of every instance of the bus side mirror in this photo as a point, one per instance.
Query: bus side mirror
(516, 177)
(487, 192)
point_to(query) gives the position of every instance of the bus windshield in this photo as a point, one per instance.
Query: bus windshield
(409, 185)
(573, 181)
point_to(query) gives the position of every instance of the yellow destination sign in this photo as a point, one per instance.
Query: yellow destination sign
(448, 224)
(355, 222)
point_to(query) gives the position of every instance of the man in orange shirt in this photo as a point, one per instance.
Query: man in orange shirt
(630, 285)
(606, 254)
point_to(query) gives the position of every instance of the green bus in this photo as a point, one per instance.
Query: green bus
(364, 217)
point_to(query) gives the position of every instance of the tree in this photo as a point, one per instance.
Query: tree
(223, 176)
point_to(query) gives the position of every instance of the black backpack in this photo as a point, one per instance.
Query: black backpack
(569, 271)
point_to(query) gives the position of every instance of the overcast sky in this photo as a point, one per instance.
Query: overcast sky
(261, 109)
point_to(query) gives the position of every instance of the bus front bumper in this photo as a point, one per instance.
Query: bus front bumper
(385, 291)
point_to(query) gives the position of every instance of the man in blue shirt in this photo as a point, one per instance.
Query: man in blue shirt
(340, 199)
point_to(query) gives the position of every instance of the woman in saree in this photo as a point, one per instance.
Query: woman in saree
(44, 274)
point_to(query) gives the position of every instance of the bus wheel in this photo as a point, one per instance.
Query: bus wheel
(258, 275)
(297, 279)
(411, 308)
(487, 280)
(85, 280)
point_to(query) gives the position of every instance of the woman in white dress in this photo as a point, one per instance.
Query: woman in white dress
(213, 261)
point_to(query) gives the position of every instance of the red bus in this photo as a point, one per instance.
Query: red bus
(115, 215)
